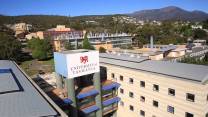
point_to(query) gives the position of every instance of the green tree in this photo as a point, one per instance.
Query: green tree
(86, 44)
(143, 34)
(38, 54)
(206, 57)
(199, 33)
(205, 24)
(102, 50)
(10, 48)
(41, 49)
(186, 30)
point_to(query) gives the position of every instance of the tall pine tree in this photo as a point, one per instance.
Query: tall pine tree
(86, 44)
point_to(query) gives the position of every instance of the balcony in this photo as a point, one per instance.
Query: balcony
(109, 85)
(90, 109)
(109, 89)
(109, 96)
(86, 92)
(110, 105)
(111, 101)
(86, 102)
(86, 98)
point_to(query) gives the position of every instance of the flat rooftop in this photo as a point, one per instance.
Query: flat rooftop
(20, 96)
(75, 51)
(122, 57)
(198, 73)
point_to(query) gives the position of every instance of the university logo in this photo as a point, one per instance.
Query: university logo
(84, 59)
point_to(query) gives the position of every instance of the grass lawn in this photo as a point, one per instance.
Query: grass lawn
(32, 67)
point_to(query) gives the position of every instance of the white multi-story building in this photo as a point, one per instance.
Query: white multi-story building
(157, 88)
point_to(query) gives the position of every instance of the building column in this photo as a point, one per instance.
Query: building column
(59, 82)
(71, 94)
(97, 84)
(76, 44)
(115, 113)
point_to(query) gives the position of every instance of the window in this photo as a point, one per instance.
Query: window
(131, 80)
(112, 75)
(121, 103)
(170, 109)
(171, 92)
(131, 108)
(121, 78)
(155, 103)
(131, 94)
(155, 87)
(121, 90)
(142, 98)
(142, 84)
(189, 115)
(207, 97)
(190, 97)
(142, 113)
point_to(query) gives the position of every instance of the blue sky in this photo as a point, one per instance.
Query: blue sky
(92, 7)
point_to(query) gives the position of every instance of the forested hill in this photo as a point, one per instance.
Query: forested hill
(43, 22)
(40, 22)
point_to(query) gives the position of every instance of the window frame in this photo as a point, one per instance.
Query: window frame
(131, 81)
(121, 91)
(131, 108)
(169, 93)
(156, 87)
(121, 78)
(188, 97)
(207, 97)
(142, 113)
(192, 115)
(142, 98)
(170, 109)
(112, 75)
(142, 82)
(155, 102)
(131, 94)
(121, 103)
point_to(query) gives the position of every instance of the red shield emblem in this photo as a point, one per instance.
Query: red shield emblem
(84, 59)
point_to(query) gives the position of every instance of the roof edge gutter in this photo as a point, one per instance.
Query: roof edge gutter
(49, 100)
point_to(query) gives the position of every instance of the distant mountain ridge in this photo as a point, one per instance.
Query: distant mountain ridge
(48, 21)
(170, 13)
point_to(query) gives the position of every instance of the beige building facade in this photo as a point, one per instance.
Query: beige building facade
(148, 91)
(156, 56)
(107, 46)
(177, 53)
(60, 28)
(21, 27)
(38, 34)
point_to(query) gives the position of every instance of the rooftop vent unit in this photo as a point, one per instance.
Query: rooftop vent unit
(113, 52)
(132, 55)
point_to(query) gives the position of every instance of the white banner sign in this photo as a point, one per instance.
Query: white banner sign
(79, 64)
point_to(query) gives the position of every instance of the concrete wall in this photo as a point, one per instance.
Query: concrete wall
(199, 108)
(176, 53)
(57, 45)
(106, 46)
(40, 34)
(156, 57)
